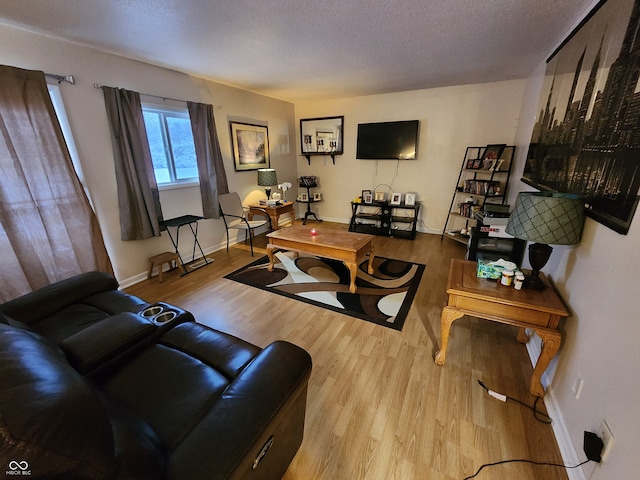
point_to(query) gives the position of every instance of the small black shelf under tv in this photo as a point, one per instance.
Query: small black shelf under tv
(381, 218)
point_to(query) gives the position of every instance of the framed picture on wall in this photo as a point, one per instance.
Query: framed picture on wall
(250, 145)
(585, 141)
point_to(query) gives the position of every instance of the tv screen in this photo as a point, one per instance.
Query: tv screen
(387, 140)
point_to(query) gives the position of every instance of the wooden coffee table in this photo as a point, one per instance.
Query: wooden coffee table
(539, 310)
(348, 247)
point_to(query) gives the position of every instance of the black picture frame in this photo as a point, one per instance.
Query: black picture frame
(586, 139)
(250, 145)
(322, 136)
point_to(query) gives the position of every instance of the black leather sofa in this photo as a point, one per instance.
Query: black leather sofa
(95, 383)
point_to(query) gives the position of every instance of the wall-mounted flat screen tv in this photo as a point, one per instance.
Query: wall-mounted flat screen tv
(387, 140)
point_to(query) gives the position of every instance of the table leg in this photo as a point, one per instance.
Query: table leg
(550, 344)
(371, 257)
(522, 335)
(353, 271)
(270, 249)
(449, 315)
(274, 221)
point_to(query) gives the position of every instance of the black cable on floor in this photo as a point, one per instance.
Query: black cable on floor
(540, 416)
(525, 461)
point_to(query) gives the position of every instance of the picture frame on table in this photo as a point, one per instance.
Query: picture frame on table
(368, 197)
(304, 197)
(250, 145)
(410, 199)
(380, 197)
(396, 199)
(317, 196)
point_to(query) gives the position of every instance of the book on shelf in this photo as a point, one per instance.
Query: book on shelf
(482, 187)
(468, 209)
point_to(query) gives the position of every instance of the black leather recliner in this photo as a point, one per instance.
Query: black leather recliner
(94, 385)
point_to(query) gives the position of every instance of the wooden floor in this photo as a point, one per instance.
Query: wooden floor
(378, 406)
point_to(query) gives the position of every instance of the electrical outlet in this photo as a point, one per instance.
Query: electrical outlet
(604, 432)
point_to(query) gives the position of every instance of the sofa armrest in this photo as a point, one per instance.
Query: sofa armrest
(256, 427)
(106, 340)
(45, 301)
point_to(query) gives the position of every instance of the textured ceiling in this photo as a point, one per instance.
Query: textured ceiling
(312, 49)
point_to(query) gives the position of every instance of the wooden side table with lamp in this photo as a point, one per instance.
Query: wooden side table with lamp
(539, 310)
(541, 217)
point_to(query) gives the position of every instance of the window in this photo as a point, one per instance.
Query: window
(171, 144)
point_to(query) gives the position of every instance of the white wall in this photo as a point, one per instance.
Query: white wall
(86, 112)
(451, 119)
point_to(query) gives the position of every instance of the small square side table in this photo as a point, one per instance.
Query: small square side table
(539, 310)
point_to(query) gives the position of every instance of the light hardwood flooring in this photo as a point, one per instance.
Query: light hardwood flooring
(378, 406)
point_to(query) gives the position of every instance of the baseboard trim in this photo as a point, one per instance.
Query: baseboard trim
(560, 431)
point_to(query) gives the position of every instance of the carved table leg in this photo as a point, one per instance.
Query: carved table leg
(550, 344)
(522, 335)
(449, 315)
(371, 257)
(270, 250)
(353, 271)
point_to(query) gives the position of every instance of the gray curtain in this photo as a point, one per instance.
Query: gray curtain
(213, 179)
(48, 231)
(138, 197)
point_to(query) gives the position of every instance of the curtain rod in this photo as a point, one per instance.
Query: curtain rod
(97, 85)
(61, 78)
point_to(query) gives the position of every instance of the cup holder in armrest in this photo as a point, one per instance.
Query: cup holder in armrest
(162, 314)
(152, 311)
(165, 317)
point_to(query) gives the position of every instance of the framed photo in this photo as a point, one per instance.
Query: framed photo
(477, 163)
(380, 197)
(365, 192)
(368, 197)
(584, 141)
(492, 153)
(470, 163)
(410, 199)
(317, 196)
(304, 197)
(396, 199)
(250, 146)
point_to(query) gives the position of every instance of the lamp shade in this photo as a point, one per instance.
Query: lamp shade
(267, 177)
(547, 218)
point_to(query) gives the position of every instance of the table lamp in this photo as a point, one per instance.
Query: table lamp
(545, 218)
(267, 178)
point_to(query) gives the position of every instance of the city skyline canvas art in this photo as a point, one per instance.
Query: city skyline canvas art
(586, 139)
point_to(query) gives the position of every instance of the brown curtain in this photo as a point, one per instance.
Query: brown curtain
(138, 197)
(48, 231)
(213, 179)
